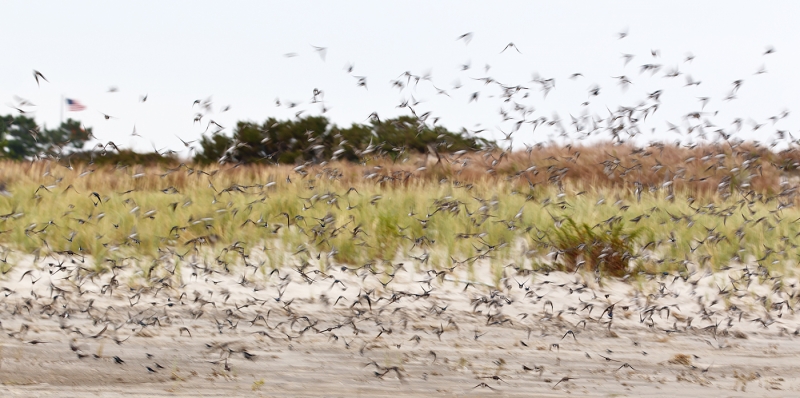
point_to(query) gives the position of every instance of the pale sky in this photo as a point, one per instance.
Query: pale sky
(235, 53)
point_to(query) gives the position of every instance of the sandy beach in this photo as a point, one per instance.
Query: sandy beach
(334, 332)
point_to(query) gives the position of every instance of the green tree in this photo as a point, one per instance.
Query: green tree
(314, 138)
(71, 133)
(214, 147)
(21, 138)
(409, 134)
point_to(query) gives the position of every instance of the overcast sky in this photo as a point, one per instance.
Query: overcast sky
(236, 54)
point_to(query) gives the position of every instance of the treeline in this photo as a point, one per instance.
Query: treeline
(312, 138)
(21, 138)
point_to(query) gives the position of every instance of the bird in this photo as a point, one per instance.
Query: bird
(467, 37)
(627, 58)
(483, 385)
(563, 379)
(37, 75)
(510, 45)
(185, 143)
(625, 365)
(321, 51)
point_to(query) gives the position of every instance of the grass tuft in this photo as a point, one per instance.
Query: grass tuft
(606, 247)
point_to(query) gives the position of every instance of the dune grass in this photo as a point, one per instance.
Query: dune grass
(381, 212)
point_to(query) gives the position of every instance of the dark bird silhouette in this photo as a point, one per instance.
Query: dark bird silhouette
(483, 385)
(37, 75)
(564, 379)
(467, 37)
(510, 45)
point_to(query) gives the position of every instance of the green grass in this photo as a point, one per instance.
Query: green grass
(605, 229)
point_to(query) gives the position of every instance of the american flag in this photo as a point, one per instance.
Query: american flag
(74, 105)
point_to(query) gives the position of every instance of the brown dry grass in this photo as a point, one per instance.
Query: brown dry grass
(681, 359)
(698, 170)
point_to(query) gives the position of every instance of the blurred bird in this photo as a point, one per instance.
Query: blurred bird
(37, 75)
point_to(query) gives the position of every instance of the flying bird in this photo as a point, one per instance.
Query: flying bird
(467, 37)
(510, 45)
(185, 143)
(628, 58)
(322, 51)
(37, 75)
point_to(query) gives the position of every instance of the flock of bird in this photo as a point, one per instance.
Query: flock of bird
(407, 319)
(395, 320)
(627, 123)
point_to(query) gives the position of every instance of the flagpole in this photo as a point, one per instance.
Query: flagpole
(62, 110)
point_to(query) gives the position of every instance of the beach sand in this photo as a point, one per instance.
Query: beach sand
(215, 334)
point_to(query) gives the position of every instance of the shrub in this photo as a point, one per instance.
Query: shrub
(606, 247)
